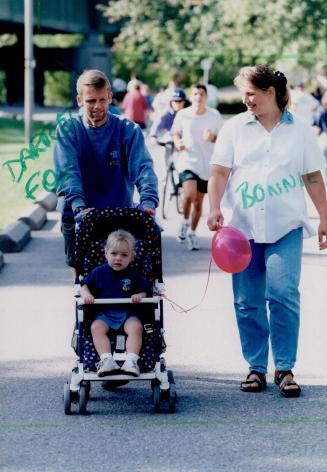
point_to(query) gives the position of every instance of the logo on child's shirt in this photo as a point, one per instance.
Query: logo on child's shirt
(126, 284)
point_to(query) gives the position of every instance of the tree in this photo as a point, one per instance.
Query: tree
(159, 37)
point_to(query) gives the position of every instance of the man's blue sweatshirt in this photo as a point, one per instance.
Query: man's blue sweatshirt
(100, 166)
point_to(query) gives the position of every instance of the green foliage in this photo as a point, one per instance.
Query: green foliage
(57, 88)
(159, 38)
(3, 91)
(14, 200)
(57, 40)
(7, 40)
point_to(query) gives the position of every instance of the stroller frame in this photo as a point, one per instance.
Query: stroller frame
(78, 386)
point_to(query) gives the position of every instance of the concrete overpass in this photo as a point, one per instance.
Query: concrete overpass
(51, 17)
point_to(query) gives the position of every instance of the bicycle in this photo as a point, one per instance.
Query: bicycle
(171, 188)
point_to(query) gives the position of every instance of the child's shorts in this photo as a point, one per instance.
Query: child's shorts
(116, 318)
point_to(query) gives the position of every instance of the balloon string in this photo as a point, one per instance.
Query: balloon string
(186, 310)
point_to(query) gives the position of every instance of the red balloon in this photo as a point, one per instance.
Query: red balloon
(230, 250)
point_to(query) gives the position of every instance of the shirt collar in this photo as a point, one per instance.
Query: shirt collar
(286, 118)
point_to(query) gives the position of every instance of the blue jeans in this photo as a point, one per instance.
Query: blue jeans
(272, 278)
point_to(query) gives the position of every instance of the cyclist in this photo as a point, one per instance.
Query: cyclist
(164, 122)
(160, 132)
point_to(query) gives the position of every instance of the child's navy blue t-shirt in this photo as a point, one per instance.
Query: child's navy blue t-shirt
(104, 282)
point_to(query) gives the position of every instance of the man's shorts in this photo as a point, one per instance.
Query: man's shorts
(68, 231)
(202, 185)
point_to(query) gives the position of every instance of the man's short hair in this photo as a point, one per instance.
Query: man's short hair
(94, 78)
(200, 86)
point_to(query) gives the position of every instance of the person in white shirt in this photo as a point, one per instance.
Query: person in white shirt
(195, 131)
(262, 161)
(303, 104)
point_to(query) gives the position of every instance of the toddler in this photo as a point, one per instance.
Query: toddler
(116, 279)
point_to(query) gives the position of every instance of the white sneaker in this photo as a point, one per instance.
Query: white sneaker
(131, 367)
(192, 242)
(181, 236)
(108, 366)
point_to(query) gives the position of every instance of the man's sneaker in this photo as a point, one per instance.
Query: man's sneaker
(181, 236)
(192, 242)
(108, 366)
(131, 367)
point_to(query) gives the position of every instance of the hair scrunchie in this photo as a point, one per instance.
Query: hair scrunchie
(280, 77)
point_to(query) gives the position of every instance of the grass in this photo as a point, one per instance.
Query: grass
(14, 200)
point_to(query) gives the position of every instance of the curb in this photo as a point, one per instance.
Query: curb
(14, 237)
(48, 200)
(34, 216)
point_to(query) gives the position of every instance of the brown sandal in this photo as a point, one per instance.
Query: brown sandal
(260, 382)
(284, 385)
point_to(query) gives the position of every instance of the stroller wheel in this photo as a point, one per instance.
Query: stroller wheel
(67, 399)
(82, 401)
(156, 395)
(172, 398)
(88, 389)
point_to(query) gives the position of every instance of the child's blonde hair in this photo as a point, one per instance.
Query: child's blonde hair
(121, 236)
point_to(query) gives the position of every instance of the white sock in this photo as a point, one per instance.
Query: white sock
(132, 356)
(190, 231)
(106, 355)
(186, 221)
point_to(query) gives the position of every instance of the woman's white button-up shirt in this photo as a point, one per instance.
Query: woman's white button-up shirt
(265, 187)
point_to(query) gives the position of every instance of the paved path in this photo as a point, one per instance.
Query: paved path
(216, 427)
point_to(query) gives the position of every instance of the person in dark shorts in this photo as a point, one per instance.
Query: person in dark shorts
(195, 131)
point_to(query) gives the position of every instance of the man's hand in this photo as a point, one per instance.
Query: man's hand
(180, 146)
(215, 220)
(209, 136)
(79, 215)
(150, 211)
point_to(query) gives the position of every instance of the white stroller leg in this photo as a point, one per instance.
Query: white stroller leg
(77, 378)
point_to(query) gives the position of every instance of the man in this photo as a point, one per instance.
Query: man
(100, 159)
(303, 104)
(195, 131)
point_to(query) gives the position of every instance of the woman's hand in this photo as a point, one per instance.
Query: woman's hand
(322, 234)
(215, 220)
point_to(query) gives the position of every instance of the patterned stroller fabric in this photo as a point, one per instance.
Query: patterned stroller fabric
(91, 237)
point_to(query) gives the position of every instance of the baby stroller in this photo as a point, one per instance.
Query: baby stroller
(91, 236)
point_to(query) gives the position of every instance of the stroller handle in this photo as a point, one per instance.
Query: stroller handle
(118, 301)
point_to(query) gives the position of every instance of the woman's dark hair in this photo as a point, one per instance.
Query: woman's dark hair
(263, 77)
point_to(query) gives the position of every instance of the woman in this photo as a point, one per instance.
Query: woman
(263, 158)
